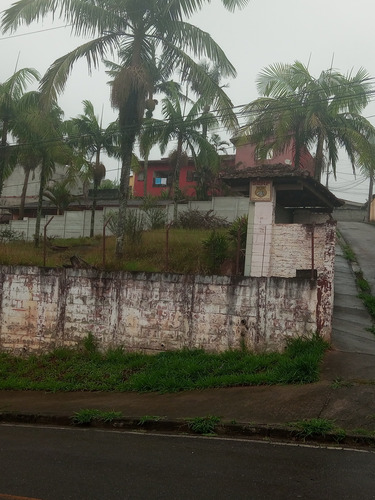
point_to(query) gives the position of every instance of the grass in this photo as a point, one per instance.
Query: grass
(338, 383)
(149, 418)
(369, 301)
(204, 425)
(86, 416)
(365, 290)
(317, 427)
(86, 369)
(186, 252)
(348, 253)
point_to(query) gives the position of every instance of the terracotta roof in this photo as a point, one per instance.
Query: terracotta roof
(265, 171)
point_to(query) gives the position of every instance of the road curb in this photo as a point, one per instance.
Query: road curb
(272, 433)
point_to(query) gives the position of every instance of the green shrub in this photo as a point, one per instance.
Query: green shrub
(155, 215)
(8, 234)
(195, 219)
(134, 225)
(238, 229)
(216, 251)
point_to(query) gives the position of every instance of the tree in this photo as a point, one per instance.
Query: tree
(324, 113)
(11, 91)
(183, 123)
(60, 195)
(88, 135)
(136, 26)
(208, 165)
(40, 139)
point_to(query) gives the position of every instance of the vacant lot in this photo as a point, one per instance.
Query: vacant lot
(184, 252)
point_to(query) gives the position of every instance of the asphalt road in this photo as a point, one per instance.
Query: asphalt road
(62, 464)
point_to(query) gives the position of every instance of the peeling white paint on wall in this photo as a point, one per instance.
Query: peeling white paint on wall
(44, 308)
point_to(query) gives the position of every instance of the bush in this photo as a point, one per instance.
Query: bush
(238, 228)
(134, 225)
(195, 219)
(8, 234)
(155, 216)
(216, 251)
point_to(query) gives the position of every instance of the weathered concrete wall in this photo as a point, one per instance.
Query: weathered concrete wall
(44, 308)
(350, 214)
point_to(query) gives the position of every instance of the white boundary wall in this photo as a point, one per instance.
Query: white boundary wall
(76, 224)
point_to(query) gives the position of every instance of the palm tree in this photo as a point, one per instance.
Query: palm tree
(11, 91)
(183, 123)
(208, 166)
(40, 139)
(136, 27)
(324, 113)
(60, 195)
(88, 135)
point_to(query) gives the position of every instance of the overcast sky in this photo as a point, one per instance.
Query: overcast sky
(315, 33)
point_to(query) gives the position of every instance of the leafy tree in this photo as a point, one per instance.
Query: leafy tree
(323, 112)
(88, 135)
(183, 123)
(109, 184)
(11, 91)
(135, 26)
(40, 138)
(60, 195)
(208, 166)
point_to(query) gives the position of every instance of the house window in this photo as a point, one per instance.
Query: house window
(162, 179)
(269, 154)
(191, 176)
(141, 176)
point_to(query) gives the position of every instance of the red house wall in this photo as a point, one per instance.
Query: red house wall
(163, 167)
(156, 167)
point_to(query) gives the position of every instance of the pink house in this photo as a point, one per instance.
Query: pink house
(159, 175)
(246, 156)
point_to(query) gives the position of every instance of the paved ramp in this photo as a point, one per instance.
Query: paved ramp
(353, 354)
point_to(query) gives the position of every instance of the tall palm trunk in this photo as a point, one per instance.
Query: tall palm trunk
(130, 124)
(43, 182)
(145, 172)
(21, 211)
(319, 158)
(3, 153)
(95, 194)
(93, 206)
(176, 177)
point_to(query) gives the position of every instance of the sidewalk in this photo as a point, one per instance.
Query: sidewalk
(345, 393)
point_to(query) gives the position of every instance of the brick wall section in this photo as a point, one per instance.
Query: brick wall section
(44, 308)
(292, 250)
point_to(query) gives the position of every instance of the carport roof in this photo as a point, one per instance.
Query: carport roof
(295, 188)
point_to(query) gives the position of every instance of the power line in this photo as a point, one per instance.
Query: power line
(34, 32)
